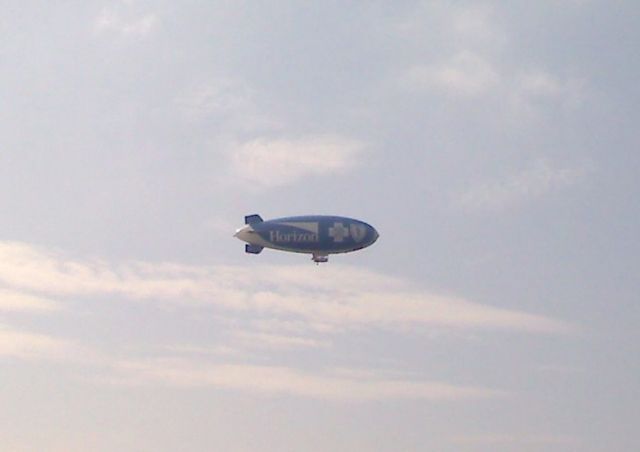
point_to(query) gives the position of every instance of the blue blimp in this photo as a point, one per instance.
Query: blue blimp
(318, 235)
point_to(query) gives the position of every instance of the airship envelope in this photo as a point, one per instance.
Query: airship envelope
(318, 235)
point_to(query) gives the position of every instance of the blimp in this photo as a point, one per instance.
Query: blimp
(318, 235)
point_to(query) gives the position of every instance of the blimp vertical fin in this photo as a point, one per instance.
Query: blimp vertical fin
(252, 219)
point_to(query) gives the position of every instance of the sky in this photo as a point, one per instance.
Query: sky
(492, 144)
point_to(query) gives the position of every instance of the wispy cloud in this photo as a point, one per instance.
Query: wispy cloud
(277, 162)
(335, 296)
(228, 102)
(529, 91)
(532, 182)
(283, 308)
(189, 366)
(18, 301)
(520, 93)
(264, 340)
(475, 25)
(474, 65)
(274, 380)
(465, 26)
(465, 74)
(110, 20)
(27, 345)
(467, 67)
(516, 440)
(263, 161)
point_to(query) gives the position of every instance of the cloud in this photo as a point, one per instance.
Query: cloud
(18, 301)
(200, 351)
(540, 84)
(515, 440)
(26, 345)
(335, 296)
(189, 366)
(227, 102)
(470, 75)
(475, 63)
(275, 380)
(533, 182)
(199, 369)
(110, 20)
(461, 26)
(261, 161)
(466, 66)
(473, 21)
(277, 162)
(264, 340)
(532, 90)
(465, 74)
(283, 308)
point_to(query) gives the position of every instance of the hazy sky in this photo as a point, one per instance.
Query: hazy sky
(492, 144)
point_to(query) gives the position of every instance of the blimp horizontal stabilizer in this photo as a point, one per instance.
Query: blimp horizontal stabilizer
(253, 249)
(252, 219)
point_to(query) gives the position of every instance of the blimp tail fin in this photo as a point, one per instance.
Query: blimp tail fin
(253, 249)
(252, 219)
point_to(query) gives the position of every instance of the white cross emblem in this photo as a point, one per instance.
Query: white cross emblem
(338, 232)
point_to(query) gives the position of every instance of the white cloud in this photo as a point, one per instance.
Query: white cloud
(462, 26)
(263, 162)
(474, 62)
(26, 345)
(540, 84)
(529, 92)
(475, 26)
(110, 20)
(196, 350)
(533, 182)
(466, 74)
(264, 340)
(17, 301)
(335, 296)
(516, 440)
(289, 326)
(197, 366)
(278, 162)
(470, 75)
(466, 66)
(274, 380)
(228, 102)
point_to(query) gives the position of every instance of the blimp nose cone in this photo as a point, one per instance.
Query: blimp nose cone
(375, 235)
